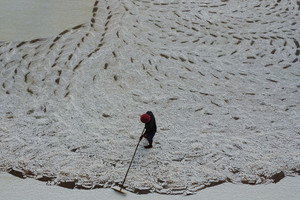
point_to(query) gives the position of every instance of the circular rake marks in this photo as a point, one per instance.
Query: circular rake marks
(206, 61)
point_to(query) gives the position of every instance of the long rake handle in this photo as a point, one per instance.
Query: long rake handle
(131, 161)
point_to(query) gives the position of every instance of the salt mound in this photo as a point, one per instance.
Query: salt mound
(222, 78)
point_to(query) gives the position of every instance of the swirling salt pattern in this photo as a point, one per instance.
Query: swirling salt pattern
(221, 76)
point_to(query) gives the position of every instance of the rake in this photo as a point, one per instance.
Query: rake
(122, 185)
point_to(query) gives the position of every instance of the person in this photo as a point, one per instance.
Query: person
(150, 126)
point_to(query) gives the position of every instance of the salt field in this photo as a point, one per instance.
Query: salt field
(221, 77)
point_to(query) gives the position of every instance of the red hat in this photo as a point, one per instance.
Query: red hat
(145, 118)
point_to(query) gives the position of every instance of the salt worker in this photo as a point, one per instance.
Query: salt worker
(150, 126)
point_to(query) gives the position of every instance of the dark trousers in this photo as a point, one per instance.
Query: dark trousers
(149, 137)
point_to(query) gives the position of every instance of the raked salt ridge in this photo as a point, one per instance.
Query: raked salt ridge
(221, 77)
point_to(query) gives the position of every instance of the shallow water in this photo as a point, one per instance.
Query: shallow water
(28, 189)
(30, 19)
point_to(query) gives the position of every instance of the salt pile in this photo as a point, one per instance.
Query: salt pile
(222, 78)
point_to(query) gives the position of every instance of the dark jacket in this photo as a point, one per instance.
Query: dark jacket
(150, 126)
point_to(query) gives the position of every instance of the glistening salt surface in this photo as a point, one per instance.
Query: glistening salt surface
(222, 78)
